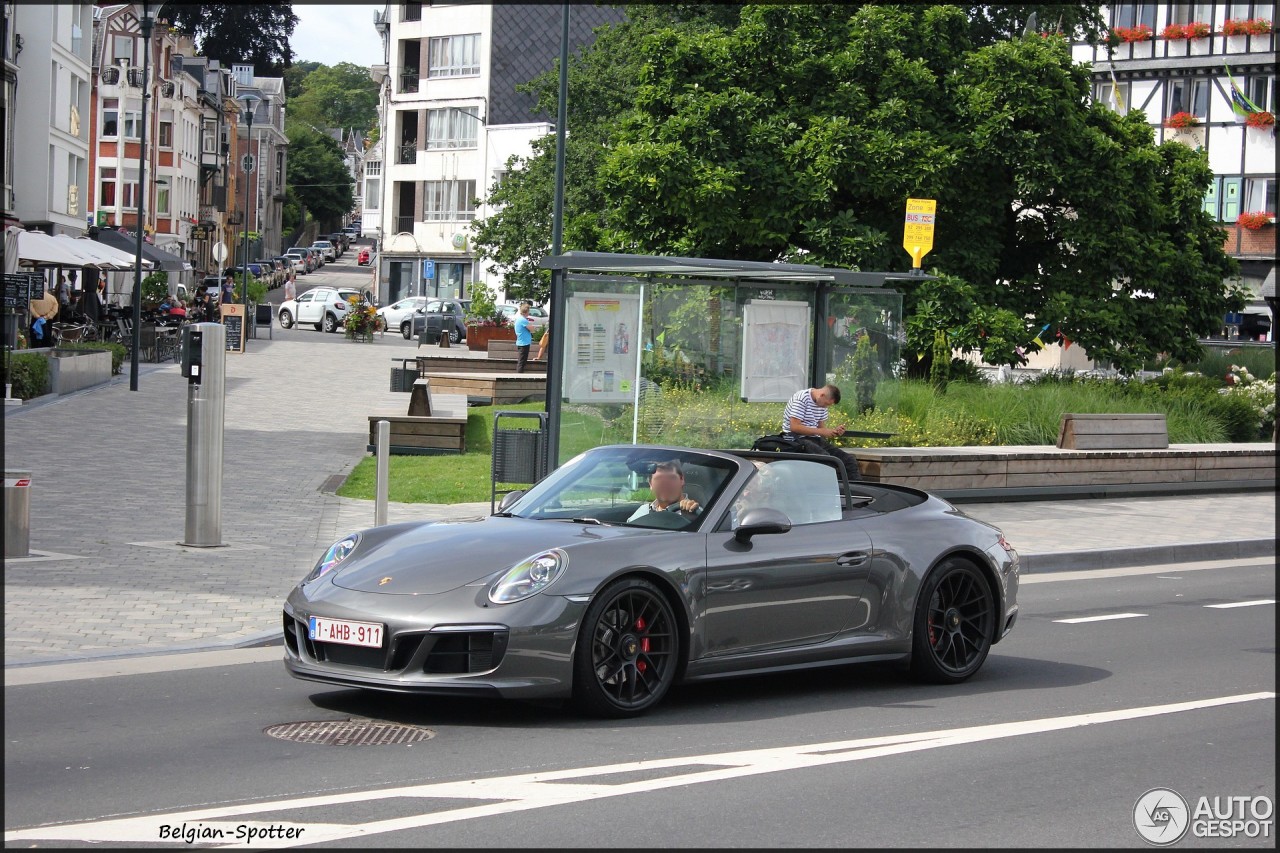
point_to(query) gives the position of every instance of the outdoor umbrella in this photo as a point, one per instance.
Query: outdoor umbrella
(122, 260)
(90, 250)
(10, 250)
(37, 249)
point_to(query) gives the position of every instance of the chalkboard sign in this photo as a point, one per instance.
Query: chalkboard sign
(16, 294)
(233, 321)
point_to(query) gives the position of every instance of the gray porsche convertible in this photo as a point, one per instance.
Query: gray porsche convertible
(633, 567)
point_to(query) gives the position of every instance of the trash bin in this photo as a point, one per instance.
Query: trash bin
(403, 377)
(17, 513)
(519, 454)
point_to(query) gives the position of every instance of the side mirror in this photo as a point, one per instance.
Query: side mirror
(509, 499)
(761, 521)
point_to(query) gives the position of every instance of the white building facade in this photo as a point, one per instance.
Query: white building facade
(47, 88)
(450, 118)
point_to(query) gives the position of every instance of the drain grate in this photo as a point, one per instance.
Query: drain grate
(332, 483)
(349, 733)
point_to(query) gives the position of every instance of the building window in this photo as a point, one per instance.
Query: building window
(373, 167)
(372, 193)
(451, 128)
(110, 117)
(279, 182)
(411, 12)
(107, 188)
(1260, 195)
(454, 56)
(1188, 95)
(1190, 13)
(121, 49)
(1114, 95)
(1262, 91)
(165, 139)
(129, 189)
(132, 124)
(162, 200)
(449, 201)
(1132, 14)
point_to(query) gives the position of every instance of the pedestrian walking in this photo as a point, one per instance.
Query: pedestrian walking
(524, 339)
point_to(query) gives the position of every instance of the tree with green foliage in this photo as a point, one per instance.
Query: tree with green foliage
(342, 96)
(780, 132)
(317, 175)
(252, 33)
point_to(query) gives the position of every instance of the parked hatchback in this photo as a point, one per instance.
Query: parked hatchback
(322, 307)
(326, 248)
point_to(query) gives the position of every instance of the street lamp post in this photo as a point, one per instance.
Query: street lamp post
(146, 21)
(250, 103)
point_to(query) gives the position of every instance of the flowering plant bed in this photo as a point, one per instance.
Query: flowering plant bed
(1255, 220)
(1251, 27)
(1194, 30)
(1181, 120)
(1139, 33)
(361, 322)
(1262, 120)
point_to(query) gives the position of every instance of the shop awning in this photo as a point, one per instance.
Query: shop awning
(166, 261)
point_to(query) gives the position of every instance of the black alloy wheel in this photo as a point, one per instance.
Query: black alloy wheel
(954, 623)
(286, 320)
(627, 652)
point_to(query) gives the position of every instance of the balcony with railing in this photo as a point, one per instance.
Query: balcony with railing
(404, 223)
(407, 154)
(411, 12)
(408, 82)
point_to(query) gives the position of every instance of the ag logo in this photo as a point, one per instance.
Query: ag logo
(1161, 816)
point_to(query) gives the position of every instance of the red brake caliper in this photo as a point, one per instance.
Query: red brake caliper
(641, 666)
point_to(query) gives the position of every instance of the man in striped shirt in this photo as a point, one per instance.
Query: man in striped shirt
(804, 420)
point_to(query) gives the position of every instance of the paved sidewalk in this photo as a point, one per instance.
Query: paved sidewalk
(109, 489)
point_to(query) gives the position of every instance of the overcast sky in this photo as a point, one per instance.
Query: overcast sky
(333, 34)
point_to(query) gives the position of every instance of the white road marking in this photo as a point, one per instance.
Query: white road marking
(1106, 618)
(560, 787)
(1242, 603)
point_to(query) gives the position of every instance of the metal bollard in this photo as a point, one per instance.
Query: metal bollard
(17, 513)
(380, 480)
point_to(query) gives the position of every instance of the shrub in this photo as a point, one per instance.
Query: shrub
(118, 351)
(29, 374)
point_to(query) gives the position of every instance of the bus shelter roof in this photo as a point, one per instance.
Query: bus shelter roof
(757, 271)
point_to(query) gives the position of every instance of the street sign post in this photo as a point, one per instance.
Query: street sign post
(917, 233)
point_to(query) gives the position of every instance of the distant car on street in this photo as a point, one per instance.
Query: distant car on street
(537, 316)
(399, 315)
(447, 315)
(364, 257)
(322, 307)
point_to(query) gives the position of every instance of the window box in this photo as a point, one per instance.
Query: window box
(1254, 221)
(1262, 120)
(1131, 34)
(1182, 121)
(1251, 27)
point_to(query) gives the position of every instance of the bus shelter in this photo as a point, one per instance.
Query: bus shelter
(705, 352)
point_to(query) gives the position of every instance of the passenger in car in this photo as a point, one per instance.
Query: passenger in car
(667, 484)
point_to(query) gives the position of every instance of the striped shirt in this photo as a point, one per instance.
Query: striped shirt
(802, 407)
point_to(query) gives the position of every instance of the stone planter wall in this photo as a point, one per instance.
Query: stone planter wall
(73, 370)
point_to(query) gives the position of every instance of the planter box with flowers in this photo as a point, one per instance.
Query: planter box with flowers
(1262, 120)
(485, 321)
(361, 320)
(1194, 30)
(1131, 34)
(1255, 220)
(1182, 121)
(1251, 27)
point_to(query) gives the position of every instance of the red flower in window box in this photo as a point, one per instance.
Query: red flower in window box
(1194, 30)
(1254, 221)
(1181, 120)
(1173, 32)
(1139, 33)
(1262, 120)
(1251, 27)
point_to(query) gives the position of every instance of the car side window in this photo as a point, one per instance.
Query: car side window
(308, 296)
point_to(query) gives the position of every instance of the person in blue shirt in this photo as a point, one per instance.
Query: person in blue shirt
(523, 337)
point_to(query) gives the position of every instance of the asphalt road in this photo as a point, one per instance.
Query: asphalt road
(1052, 744)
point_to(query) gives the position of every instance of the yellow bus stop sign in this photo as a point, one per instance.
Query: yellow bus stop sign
(917, 233)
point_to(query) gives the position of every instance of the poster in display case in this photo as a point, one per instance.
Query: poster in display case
(603, 355)
(775, 349)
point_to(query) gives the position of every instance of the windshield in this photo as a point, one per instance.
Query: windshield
(636, 486)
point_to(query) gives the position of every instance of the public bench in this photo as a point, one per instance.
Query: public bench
(434, 423)
(491, 389)
(507, 349)
(1110, 431)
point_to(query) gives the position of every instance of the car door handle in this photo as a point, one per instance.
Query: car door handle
(853, 558)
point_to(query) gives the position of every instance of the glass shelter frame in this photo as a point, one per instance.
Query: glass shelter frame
(624, 327)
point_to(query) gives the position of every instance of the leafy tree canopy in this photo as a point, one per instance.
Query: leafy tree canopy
(250, 33)
(339, 96)
(317, 175)
(784, 132)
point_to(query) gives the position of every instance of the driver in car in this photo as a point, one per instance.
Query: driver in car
(667, 484)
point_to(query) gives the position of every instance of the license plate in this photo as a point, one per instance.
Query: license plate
(346, 633)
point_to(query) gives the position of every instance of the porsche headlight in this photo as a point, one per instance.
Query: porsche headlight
(337, 552)
(529, 577)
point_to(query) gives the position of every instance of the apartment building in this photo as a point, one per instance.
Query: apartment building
(450, 118)
(47, 94)
(1204, 74)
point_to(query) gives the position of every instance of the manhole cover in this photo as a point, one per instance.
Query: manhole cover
(349, 732)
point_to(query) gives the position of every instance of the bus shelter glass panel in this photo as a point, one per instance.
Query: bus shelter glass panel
(865, 358)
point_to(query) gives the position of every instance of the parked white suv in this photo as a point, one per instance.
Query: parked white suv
(326, 248)
(323, 307)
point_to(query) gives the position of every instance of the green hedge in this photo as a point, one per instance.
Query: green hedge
(29, 374)
(118, 351)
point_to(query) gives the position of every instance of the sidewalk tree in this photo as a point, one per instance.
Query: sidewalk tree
(342, 96)
(798, 132)
(252, 33)
(317, 174)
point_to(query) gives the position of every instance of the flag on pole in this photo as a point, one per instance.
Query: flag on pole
(1117, 103)
(1240, 103)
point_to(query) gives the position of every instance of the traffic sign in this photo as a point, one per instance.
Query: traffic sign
(248, 163)
(429, 270)
(917, 233)
(219, 252)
